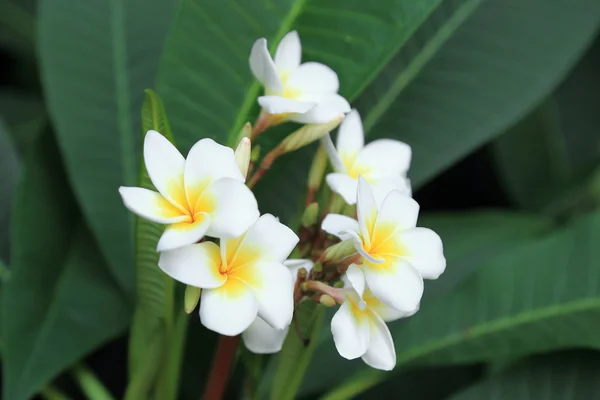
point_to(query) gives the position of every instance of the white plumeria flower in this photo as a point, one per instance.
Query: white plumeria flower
(262, 338)
(305, 93)
(396, 254)
(203, 195)
(359, 328)
(383, 163)
(243, 278)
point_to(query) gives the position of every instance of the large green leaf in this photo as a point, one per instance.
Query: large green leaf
(96, 58)
(9, 175)
(61, 301)
(541, 295)
(562, 376)
(470, 241)
(497, 66)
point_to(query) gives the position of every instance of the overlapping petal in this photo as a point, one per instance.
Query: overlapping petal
(424, 250)
(184, 233)
(395, 282)
(263, 67)
(380, 353)
(262, 338)
(351, 138)
(151, 205)
(351, 331)
(289, 53)
(283, 105)
(196, 265)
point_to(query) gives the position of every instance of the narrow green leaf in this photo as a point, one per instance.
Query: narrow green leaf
(61, 301)
(96, 59)
(9, 176)
(540, 296)
(572, 376)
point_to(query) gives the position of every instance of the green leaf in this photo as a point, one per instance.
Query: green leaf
(540, 296)
(25, 116)
(499, 64)
(572, 376)
(291, 363)
(9, 176)
(470, 241)
(61, 301)
(96, 58)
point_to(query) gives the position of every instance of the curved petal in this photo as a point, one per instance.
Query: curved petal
(262, 338)
(196, 265)
(351, 138)
(184, 233)
(356, 278)
(151, 205)
(382, 187)
(424, 250)
(263, 67)
(273, 286)
(228, 309)
(395, 282)
(358, 245)
(313, 78)
(266, 240)
(232, 207)
(386, 312)
(398, 212)
(283, 105)
(336, 223)
(329, 107)
(386, 157)
(343, 185)
(288, 53)
(381, 353)
(165, 166)
(206, 162)
(350, 329)
(334, 157)
(366, 210)
(295, 264)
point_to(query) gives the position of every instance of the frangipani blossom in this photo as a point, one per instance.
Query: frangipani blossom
(396, 254)
(383, 162)
(262, 338)
(305, 93)
(242, 279)
(359, 328)
(203, 195)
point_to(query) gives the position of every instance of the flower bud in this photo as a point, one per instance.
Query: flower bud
(339, 252)
(245, 132)
(242, 155)
(311, 215)
(308, 134)
(191, 298)
(338, 285)
(327, 300)
(255, 153)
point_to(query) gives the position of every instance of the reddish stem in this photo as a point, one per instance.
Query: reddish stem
(221, 367)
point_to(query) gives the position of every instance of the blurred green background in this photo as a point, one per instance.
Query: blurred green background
(499, 99)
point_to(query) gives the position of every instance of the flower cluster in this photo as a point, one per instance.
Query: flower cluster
(363, 251)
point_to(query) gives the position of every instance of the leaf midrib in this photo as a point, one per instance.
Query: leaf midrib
(254, 89)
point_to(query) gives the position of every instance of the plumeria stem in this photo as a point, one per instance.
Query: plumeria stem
(265, 165)
(320, 287)
(221, 366)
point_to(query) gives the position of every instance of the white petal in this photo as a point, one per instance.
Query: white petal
(398, 210)
(262, 338)
(336, 223)
(288, 53)
(266, 240)
(381, 353)
(334, 157)
(294, 266)
(206, 162)
(263, 67)
(233, 207)
(273, 286)
(356, 278)
(150, 205)
(425, 251)
(343, 185)
(228, 309)
(351, 138)
(283, 105)
(395, 282)
(382, 187)
(314, 78)
(165, 166)
(358, 245)
(366, 210)
(329, 107)
(386, 312)
(184, 233)
(196, 265)
(350, 329)
(386, 157)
